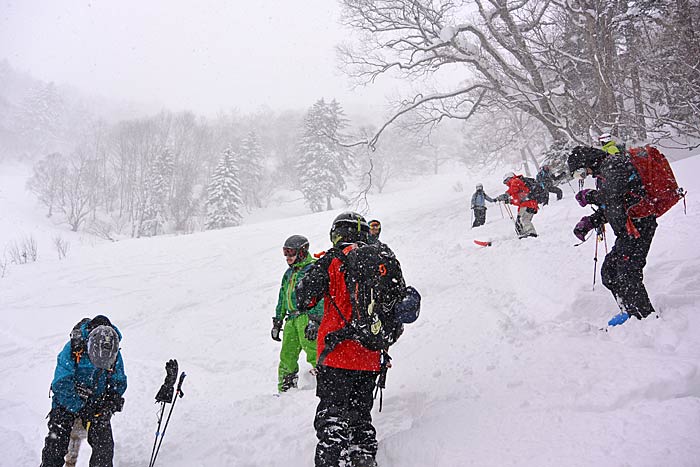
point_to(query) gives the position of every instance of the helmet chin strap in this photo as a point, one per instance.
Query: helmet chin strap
(336, 238)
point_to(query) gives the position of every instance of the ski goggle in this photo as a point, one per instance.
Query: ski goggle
(289, 252)
(580, 174)
(375, 225)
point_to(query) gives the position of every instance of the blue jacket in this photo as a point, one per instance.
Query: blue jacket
(479, 199)
(70, 373)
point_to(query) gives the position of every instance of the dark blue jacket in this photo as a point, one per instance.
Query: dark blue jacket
(70, 373)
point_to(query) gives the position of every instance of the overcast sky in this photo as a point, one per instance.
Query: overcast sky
(204, 55)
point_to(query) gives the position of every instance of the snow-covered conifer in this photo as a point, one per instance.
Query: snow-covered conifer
(251, 167)
(157, 190)
(322, 163)
(224, 193)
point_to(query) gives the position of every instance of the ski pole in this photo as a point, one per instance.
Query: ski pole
(510, 213)
(178, 394)
(605, 239)
(155, 441)
(500, 209)
(595, 259)
(165, 396)
(568, 182)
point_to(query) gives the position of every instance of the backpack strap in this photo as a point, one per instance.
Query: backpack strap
(78, 346)
(332, 339)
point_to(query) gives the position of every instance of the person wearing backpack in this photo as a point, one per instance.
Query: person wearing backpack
(620, 192)
(88, 384)
(350, 361)
(545, 179)
(300, 328)
(479, 199)
(520, 195)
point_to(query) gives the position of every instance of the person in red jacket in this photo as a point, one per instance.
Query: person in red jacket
(518, 194)
(347, 374)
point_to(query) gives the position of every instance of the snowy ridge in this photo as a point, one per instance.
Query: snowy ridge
(506, 365)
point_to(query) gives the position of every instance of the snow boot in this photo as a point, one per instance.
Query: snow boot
(618, 319)
(289, 381)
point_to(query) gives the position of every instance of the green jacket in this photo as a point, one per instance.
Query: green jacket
(611, 148)
(286, 303)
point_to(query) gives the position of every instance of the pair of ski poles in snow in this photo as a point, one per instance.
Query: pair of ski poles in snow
(166, 395)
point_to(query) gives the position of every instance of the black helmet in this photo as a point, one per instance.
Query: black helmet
(585, 157)
(102, 346)
(349, 227)
(299, 244)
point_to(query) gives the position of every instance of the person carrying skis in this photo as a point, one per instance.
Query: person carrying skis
(619, 186)
(547, 181)
(300, 328)
(347, 370)
(518, 195)
(479, 199)
(88, 384)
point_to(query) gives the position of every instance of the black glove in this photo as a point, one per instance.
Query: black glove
(276, 329)
(165, 393)
(112, 402)
(531, 210)
(311, 330)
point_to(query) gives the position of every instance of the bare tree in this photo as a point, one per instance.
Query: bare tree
(526, 56)
(24, 252)
(4, 261)
(78, 194)
(62, 246)
(47, 181)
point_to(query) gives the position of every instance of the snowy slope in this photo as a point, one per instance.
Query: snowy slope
(506, 365)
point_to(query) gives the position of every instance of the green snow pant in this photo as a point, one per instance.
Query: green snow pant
(293, 341)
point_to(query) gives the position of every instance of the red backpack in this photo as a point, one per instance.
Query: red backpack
(662, 191)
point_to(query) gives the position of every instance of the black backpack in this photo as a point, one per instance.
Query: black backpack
(78, 345)
(537, 190)
(375, 283)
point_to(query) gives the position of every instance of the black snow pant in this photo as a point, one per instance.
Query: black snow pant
(56, 443)
(550, 189)
(479, 216)
(622, 271)
(343, 420)
(555, 190)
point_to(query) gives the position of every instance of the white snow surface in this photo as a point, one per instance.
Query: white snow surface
(506, 365)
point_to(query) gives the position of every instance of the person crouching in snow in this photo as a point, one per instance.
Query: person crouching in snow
(300, 328)
(519, 196)
(88, 385)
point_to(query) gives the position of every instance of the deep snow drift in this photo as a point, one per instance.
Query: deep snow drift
(506, 365)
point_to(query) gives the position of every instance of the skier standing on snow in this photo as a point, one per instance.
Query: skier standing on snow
(88, 384)
(479, 199)
(519, 195)
(348, 373)
(618, 187)
(300, 328)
